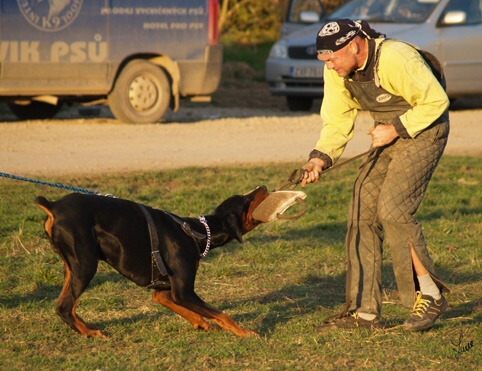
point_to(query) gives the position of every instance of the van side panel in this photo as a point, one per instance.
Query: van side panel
(199, 77)
(177, 29)
(77, 47)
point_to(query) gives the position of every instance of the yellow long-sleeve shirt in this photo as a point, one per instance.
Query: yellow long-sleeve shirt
(402, 72)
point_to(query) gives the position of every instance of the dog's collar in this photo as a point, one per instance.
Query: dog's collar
(202, 219)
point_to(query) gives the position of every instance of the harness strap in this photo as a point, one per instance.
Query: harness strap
(156, 255)
(186, 227)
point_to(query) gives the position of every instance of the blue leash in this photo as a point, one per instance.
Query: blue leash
(56, 185)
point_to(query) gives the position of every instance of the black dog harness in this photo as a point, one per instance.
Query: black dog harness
(156, 255)
(186, 227)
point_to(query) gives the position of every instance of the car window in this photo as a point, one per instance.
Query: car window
(463, 12)
(298, 6)
(396, 11)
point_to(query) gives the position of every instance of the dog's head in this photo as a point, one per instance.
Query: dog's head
(237, 211)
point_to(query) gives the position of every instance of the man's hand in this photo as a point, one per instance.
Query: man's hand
(383, 134)
(312, 171)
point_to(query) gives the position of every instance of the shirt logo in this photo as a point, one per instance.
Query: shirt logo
(382, 98)
(51, 15)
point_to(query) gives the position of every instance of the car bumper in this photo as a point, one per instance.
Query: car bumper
(294, 78)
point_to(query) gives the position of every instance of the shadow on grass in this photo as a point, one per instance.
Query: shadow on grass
(46, 292)
(327, 294)
(311, 294)
(326, 234)
(438, 214)
(41, 293)
(302, 299)
(462, 310)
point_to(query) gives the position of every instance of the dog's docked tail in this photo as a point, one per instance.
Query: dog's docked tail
(46, 206)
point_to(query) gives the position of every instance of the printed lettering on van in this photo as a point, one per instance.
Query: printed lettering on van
(79, 51)
(51, 15)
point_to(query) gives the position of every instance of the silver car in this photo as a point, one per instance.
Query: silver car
(449, 29)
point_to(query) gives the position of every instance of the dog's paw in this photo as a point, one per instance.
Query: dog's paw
(96, 334)
(245, 333)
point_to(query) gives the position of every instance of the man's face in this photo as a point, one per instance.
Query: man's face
(342, 61)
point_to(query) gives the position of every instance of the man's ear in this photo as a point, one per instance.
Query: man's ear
(354, 47)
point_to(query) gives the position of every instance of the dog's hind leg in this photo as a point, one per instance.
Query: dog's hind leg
(68, 299)
(194, 309)
(164, 298)
(227, 323)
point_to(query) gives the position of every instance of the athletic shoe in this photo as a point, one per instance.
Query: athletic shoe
(350, 320)
(425, 312)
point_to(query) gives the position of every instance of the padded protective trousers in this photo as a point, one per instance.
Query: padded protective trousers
(388, 191)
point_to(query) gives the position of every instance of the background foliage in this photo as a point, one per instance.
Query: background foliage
(250, 22)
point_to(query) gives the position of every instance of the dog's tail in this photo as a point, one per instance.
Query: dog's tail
(43, 203)
(46, 206)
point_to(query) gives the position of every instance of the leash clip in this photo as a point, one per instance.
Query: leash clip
(293, 180)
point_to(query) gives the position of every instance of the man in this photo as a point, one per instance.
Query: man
(394, 82)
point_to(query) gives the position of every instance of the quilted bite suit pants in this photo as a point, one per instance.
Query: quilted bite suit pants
(388, 190)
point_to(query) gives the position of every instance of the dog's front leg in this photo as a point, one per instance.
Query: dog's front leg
(164, 298)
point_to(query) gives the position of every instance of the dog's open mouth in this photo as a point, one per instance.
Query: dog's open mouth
(259, 195)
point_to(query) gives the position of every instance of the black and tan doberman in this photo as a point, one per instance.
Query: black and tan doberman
(151, 247)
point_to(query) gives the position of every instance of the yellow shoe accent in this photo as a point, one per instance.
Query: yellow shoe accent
(420, 306)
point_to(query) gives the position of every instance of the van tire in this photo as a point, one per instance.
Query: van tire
(141, 93)
(34, 110)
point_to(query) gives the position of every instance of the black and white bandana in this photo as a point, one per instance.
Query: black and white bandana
(337, 34)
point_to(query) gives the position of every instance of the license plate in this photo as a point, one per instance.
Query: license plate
(313, 72)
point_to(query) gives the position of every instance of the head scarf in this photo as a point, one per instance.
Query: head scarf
(336, 34)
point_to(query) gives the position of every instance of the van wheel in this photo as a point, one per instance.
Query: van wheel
(141, 93)
(35, 110)
(299, 103)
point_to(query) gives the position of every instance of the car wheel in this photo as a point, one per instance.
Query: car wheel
(299, 103)
(141, 93)
(35, 110)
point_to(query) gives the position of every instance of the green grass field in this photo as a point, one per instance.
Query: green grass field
(281, 282)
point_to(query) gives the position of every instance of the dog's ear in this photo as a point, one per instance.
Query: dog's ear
(234, 228)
